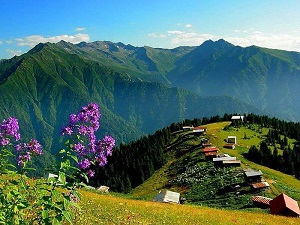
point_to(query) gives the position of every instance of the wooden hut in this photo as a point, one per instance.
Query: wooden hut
(284, 205)
(167, 197)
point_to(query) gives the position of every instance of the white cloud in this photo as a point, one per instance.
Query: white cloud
(13, 53)
(1, 42)
(244, 38)
(188, 38)
(176, 32)
(36, 39)
(275, 41)
(8, 42)
(155, 35)
(188, 25)
(80, 29)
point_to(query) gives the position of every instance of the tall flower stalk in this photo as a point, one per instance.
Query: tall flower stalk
(15, 194)
(9, 135)
(42, 202)
(89, 150)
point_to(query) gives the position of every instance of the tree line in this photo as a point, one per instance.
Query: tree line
(278, 134)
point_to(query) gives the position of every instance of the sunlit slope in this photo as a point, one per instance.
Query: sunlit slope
(105, 209)
(279, 182)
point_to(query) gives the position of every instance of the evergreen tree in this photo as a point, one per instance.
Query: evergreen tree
(275, 162)
(296, 160)
(266, 153)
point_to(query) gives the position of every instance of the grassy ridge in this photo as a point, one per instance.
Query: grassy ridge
(279, 182)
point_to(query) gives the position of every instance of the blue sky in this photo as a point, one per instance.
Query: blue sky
(155, 23)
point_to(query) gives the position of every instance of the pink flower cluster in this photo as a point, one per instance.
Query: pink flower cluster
(88, 149)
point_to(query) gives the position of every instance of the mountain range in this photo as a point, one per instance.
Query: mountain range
(265, 78)
(142, 89)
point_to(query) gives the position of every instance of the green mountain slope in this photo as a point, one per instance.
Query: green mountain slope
(151, 105)
(48, 85)
(268, 79)
(265, 78)
(142, 63)
(45, 85)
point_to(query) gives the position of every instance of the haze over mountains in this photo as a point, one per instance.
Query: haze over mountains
(265, 78)
(142, 89)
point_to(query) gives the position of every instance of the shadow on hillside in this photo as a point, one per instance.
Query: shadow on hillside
(180, 140)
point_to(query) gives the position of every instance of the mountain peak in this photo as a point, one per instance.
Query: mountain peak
(38, 47)
(221, 43)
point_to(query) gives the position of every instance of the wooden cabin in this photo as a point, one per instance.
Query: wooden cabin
(253, 176)
(260, 186)
(285, 206)
(261, 201)
(167, 197)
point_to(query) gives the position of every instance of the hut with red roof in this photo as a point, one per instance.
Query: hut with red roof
(284, 205)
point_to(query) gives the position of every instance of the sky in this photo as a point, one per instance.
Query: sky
(155, 23)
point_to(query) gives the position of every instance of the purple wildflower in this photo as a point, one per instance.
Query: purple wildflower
(82, 126)
(26, 150)
(84, 164)
(95, 125)
(22, 159)
(34, 147)
(106, 145)
(5, 141)
(18, 147)
(73, 119)
(110, 143)
(101, 159)
(9, 128)
(90, 173)
(83, 130)
(67, 130)
(80, 149)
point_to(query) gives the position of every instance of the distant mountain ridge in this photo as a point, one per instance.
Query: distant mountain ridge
(265, 78)
(143, 63)
(142, 89)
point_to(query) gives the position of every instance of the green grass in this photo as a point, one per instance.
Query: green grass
(282, 182)
(108, 209)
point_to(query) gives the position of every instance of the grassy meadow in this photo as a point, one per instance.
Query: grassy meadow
(109, 209)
